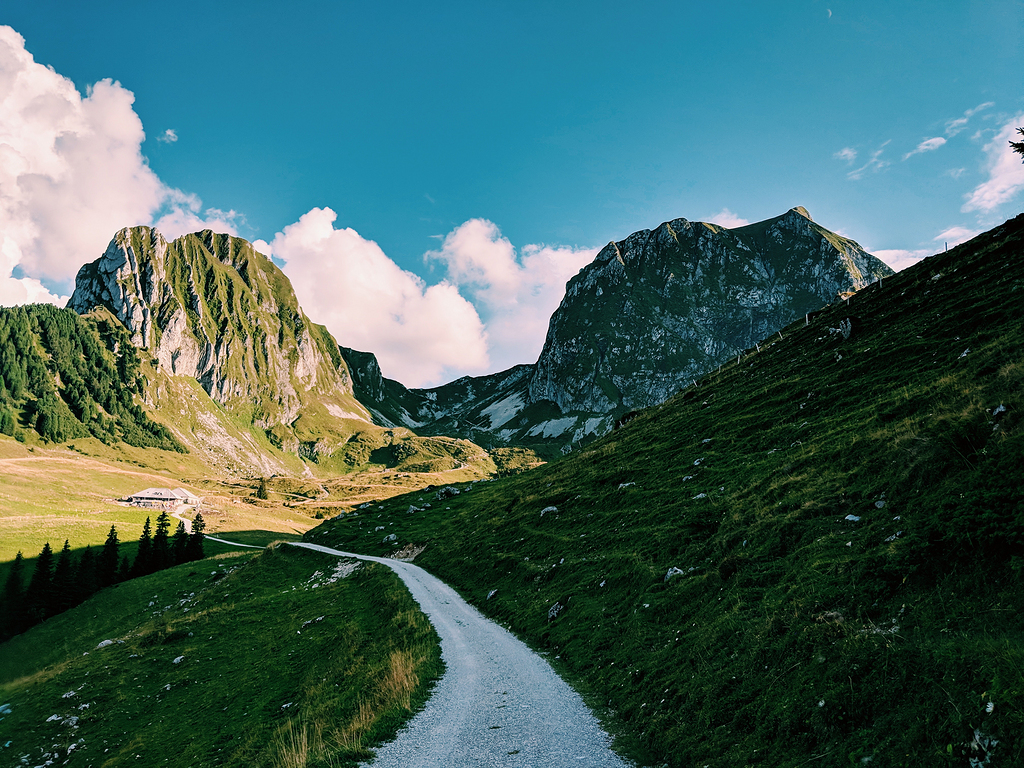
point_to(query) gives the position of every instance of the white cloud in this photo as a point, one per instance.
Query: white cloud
(728, 219)
(515, 293)
(953, 127)
(72, 173)
(874, 164)
(1005, 171)
(956, 235)
(927, 145)
(182, 214)
(168, 137)
(901, 259)
(849, 154)
(421, 334)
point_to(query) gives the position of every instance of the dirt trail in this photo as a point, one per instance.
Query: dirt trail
(498, 704)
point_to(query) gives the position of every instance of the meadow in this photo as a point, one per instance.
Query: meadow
(280, 658)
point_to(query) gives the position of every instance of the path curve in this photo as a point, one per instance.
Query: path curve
(498, 704)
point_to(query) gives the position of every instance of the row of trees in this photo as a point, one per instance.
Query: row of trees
(59, 582)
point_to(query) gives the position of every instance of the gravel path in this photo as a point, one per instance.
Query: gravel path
(498, 703)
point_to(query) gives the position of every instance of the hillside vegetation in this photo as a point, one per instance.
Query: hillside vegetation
(60, 380)
(813, 556)
(286, 658)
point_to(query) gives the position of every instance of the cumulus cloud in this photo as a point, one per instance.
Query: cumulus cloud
(1005, 171)
(182, 213)
(516, 293)
(928, 145)
(421, 334)
(848, 154)
(874, 164)
(728, 219)
(168, 137)
(72, 173)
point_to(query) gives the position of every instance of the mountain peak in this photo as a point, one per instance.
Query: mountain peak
(800, 210)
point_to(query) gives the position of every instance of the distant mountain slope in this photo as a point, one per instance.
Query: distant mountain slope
(646, 317)
(813, 556)
(59, 379)
(215, 317)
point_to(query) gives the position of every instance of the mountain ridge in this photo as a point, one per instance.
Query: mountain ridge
(651, 313)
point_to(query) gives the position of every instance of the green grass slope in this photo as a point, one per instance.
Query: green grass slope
(814, 556)
(274, 659)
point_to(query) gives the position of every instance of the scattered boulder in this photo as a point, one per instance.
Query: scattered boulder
(447, 492)
(390, 537)
(412, 508)
(548, 509)
(673, 571)
(625, 485)
(555, 610)
(492, 593)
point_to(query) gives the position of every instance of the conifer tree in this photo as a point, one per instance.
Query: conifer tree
(124, 571)
(143, 564)
(1018, 146)
(37, 596)
(106, 569)
(85, 583)
(62, 596)
(194, 550)
(179, 544)
(161, 556)
(12, 602)
(261, 491)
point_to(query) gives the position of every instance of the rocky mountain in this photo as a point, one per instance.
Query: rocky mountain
(219, 322)
(649, 315)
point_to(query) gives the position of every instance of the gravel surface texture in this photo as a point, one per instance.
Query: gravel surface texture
(497, 704)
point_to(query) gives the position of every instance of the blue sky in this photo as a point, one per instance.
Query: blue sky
(471, 156)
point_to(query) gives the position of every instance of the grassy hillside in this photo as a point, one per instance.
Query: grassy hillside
(285, 658)
(814, 556)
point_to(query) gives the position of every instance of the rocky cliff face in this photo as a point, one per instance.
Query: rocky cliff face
(658, 309)
(209, 307)
(649, 315)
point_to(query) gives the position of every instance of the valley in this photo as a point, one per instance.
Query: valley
(798, 535)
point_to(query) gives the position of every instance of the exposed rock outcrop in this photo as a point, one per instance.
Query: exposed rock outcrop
(650, 314)
(210, 307)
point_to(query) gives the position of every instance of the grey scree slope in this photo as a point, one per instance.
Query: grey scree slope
(496, 697)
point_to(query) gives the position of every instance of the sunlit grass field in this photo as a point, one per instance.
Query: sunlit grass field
(281, 658)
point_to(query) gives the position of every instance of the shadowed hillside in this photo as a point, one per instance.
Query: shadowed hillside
(816, 553)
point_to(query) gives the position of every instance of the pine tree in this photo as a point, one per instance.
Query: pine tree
(124, 571)
(37, 596)
(179, 544)
(143, 564)
(194, 550)
(12, 602)
(1018, 146)
(161, 548)
(62, 596)
(106, 570)
(85, 577)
